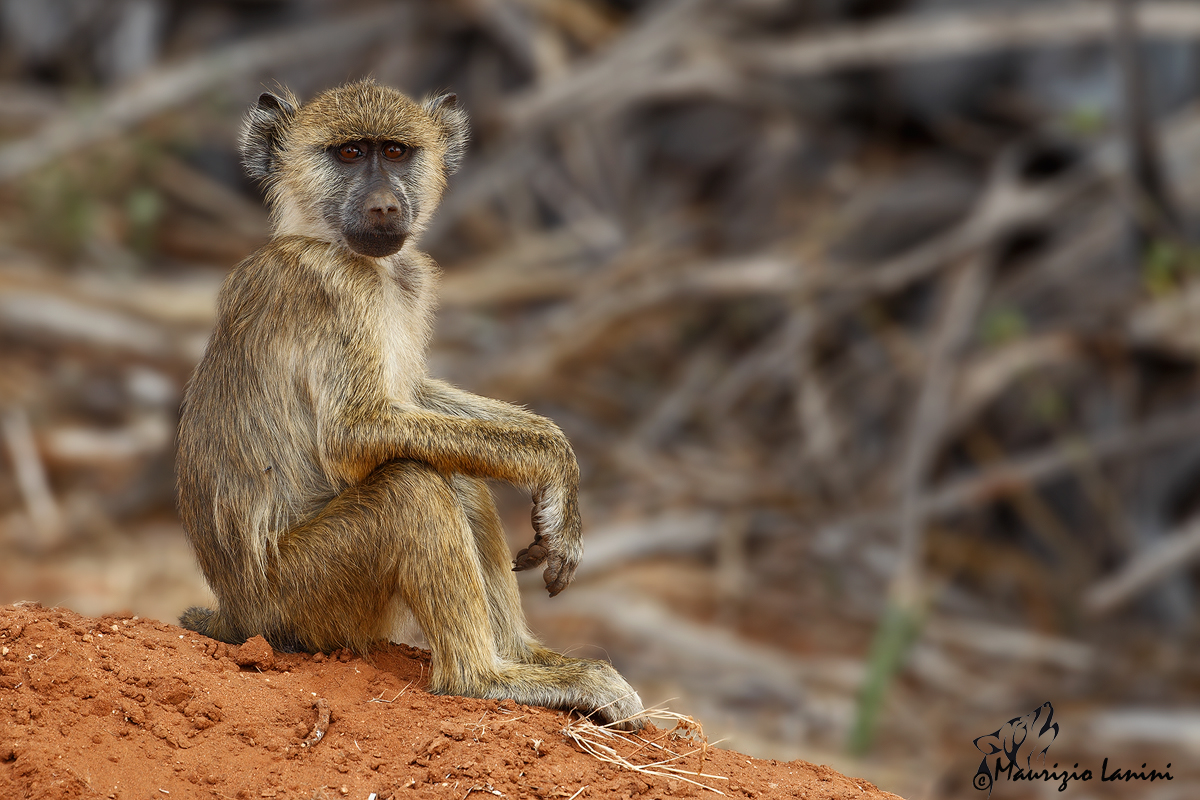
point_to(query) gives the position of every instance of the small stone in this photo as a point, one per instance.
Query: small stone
(256, 653)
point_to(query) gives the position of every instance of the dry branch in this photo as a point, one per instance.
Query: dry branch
(151, 318)
(611, 76)
(1017, 474)
(1006, 205)
(1011, 643)
(983, 378)
(194, 189)
(40, 504)
(964, 296)
(1172, 553)
(915, 38)
(697, 646)
(607, 302)
(175, 86)
(617, 545)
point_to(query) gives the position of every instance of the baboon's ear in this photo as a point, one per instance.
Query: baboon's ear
(455, 127)
(262, 132)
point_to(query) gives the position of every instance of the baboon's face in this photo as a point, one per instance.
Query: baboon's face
(362, 165)
(369, 203)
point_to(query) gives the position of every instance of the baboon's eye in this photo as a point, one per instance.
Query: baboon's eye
(394, 151)
(349, 152)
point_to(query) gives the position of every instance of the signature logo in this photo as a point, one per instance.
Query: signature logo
(1018, 750)
(1033, 733)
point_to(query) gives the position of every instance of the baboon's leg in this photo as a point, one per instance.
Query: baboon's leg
(406, 531)
(580, 679)
(401, 531)
(513, 639)
(458, 584)
(334, 577)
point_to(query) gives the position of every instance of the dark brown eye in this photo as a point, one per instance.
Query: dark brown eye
(394, 151)
(349, 152)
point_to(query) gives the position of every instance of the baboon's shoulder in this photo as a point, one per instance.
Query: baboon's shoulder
(280, 284)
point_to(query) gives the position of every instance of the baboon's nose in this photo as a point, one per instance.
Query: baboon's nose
(382, 205)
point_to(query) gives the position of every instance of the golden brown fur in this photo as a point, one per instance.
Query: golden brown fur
(326, 483)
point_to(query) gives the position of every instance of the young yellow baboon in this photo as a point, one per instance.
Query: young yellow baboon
(327, 484)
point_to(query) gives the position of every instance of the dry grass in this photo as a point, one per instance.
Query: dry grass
(648, 756)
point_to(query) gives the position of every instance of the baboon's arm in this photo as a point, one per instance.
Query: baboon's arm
(442, 397)
(457, 432)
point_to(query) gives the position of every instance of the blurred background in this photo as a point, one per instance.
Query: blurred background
(875, 325)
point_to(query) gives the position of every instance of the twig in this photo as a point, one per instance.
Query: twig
(617, 545)
(1036, 513)
(932, 410)
(985, 377)
(322, 724)
(381, 700)
(195, 189)
(644, 620)
(1170, 554)
(1002, 642)
(177, 304)
(601, 78)
(31, 476)
(62, 318)
(1153, 209)
(612, 299)
(1004, 206)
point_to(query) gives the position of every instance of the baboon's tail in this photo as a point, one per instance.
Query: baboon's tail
(199, 620)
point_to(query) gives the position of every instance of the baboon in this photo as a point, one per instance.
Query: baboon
(329, 487)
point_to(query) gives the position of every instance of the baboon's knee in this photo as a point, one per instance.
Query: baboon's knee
(416, 490)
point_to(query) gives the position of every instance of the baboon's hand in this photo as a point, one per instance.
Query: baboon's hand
(559, 572)
(556, 541)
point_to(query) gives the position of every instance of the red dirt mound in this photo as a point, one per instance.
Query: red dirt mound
(124, 707)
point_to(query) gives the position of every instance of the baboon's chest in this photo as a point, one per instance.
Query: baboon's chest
(402, 331)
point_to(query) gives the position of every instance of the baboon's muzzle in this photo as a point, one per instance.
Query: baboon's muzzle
(380, 225)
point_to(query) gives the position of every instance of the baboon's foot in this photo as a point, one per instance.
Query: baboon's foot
(197, 619)
(537, 653)
(621, 706)
(592, 688)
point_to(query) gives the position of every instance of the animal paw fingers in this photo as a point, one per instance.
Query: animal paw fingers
(530, 557)
(558, 575)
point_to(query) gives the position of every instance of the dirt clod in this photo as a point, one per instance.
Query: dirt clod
(256, 653)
